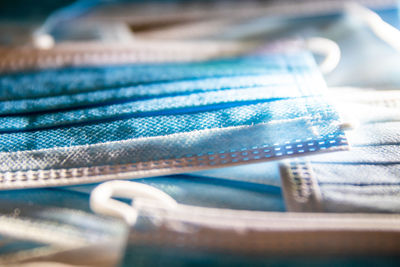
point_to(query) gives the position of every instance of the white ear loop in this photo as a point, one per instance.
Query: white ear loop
(101, 200)
(382, 29)
(156, 206)
(159, 207)
(326, 47)
(331, 50)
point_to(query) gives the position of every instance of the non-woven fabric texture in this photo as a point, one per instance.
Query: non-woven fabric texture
(363, 179)
(82, 125)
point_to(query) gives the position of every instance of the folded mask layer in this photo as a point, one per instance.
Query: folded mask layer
(364, 179)
(82, 125)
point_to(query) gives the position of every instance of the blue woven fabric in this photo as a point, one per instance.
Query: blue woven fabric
(76, 80)
(182, 120)
(265, 106)
(68, 107)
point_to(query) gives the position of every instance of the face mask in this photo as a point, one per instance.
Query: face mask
(362, 40)
(177, 21)
(190, 189)
(167, 118)
(163, 226)
(364, 179)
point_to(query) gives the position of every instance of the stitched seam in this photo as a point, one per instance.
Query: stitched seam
(387, 103)
(307, 121)
(304, 188)
(61, 58)
(200, 161)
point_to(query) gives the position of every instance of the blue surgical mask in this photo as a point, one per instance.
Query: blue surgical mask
(161, 225)
(364, 179)
(88, 124)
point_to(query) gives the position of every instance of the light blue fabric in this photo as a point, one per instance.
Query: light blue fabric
(193, 119)
(362, 51)
(218, 94)
(69, 81)
(153, 106)
(365, 178)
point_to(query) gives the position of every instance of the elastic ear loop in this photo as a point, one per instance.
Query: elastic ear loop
(381, 28)
(331, 50)
(159, 207)
(101, 199)
(327, 48)
(155, 205)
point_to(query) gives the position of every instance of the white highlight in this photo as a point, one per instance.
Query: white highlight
(328, 48)
(43, 41)
(381, 29)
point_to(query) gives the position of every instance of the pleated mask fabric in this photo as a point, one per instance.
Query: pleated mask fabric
(83, 125)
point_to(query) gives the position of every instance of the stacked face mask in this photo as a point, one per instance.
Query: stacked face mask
(364, 179)
(82, 125)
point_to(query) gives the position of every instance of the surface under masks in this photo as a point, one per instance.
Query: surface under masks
(82, 125)
(364, 179)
